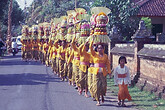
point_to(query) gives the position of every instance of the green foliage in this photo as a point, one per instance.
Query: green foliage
(121, 15)
(122, 12)
(49, 10)
(147, 22)
(3, 6)
(3, 30)
(17, 16)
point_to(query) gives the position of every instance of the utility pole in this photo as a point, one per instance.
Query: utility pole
(26, 12)
(25, 8)
(9, 26)
(75, 4)
(0, 33)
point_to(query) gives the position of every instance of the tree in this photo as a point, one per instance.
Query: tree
(3, 28)
(9, 25)
(17, 17)
(122, 12)
(122, 15)
(48, 9)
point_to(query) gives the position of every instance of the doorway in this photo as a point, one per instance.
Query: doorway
(157, 28)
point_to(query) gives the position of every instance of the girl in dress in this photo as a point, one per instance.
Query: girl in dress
(122, 79)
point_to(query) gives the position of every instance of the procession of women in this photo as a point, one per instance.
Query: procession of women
(74, 47)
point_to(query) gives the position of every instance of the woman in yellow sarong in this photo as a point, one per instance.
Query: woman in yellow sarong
(53, 55)
(69, 66)
(90, 77)
(75, 62)
(35, 49)
(29, 48)
(101, 69)
(62, 65)
(45, 51)
(83, 68)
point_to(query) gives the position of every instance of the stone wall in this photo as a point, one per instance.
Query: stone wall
(153, 69)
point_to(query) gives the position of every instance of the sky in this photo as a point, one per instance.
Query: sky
(22, 3)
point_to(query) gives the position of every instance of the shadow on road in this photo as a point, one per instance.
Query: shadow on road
(26, 79)
(18, 62)
(8, 57)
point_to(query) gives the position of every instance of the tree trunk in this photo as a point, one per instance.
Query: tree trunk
(9, 26)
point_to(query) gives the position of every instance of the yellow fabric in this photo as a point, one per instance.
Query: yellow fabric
(24, 46)
(50, 43)
(57, 65)
(99, 85)
(84, 57)
(75, 74)
(90, 83)
(50, 47)
(35, 46)
(75, 53)
(68, 53)
(98, 59)
(40, 46)
(53, 52)
(45, 47)
(54, 64)
(83, 79)
(91, 58)
(62, 53)
(62, 67)
(58, 49)
(91, 69)
(29, 46)
(70, 72)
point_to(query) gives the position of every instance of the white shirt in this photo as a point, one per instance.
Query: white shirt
(119, 70)
(14, 45)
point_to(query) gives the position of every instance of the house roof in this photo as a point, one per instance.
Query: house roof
(151, 8)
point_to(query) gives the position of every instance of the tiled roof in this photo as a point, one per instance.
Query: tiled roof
(151, 7)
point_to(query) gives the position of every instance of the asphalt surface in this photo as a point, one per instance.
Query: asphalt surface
(33, 86)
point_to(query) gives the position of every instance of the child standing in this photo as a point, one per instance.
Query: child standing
(122, 79)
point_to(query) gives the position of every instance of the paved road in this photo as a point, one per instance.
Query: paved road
(32, 86)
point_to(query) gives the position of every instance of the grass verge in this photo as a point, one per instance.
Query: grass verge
(142, 100)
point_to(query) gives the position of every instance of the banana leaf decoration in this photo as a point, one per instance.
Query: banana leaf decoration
(100, 20)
